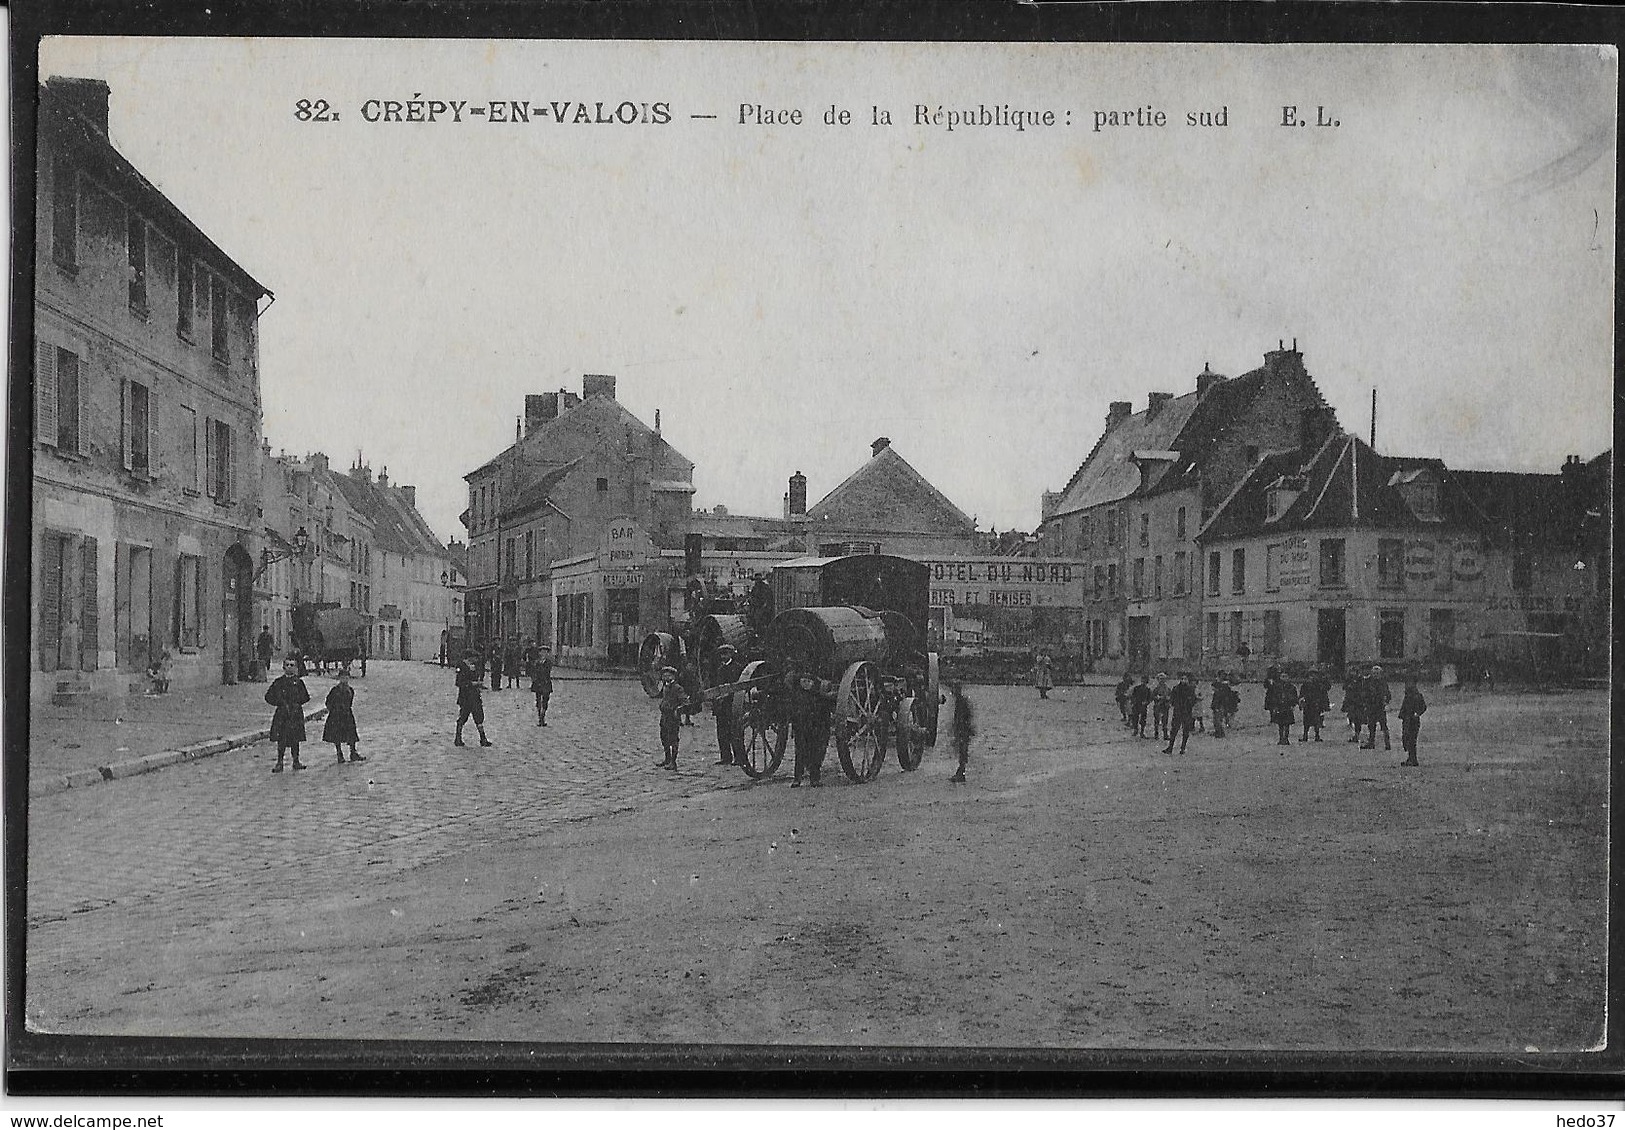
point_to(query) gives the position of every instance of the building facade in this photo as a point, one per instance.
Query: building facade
(1339, 555)
(1132, 510)
(578, 464)
(146, 487)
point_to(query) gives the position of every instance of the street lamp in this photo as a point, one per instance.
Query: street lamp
(445, 640)
(300, 551)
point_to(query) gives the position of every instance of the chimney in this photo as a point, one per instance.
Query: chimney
(411, 496)
(1206, 379)
(657, 421)
(86, 97)
(1117, 412)
(383, 476)
(1047, 504)
(597, 384)
(1154, 403)
(567, 400)
(1284, 359)
(798, 495)
(876, 448)
(1315, 427)
(539, 409)
(317, 461)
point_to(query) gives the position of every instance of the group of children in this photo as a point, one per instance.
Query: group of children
(1365, 702)
(288, 695)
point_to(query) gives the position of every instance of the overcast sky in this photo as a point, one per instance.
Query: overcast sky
(785, 294)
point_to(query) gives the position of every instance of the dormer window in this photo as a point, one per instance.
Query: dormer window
(1420, 490)
(1280, 496)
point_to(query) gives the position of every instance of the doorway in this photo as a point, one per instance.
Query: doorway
(236, 630)
(1139, 643)
(1331, 639)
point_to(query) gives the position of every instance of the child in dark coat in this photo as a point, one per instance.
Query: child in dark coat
(288, 695)
(963, 727)
(339, 730)
(673, 700)
(1410, 720)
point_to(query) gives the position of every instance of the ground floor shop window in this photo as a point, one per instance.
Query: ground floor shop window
(1391, 633)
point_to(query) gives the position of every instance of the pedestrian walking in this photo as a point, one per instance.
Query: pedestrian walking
(1217, 704)
(962, 725)
(1411, 709)
(1139, 702)
(1159, 707)
(672, 700)
(339, 729)
(496, 665)
(513, 664)
(1182, 700)
(470, 699)
(1377, 698)
(1043, 674)
(730, 736)
(1121, 694)
(1317, 693)
(541, 681)
(265, 647)
(288, 695)
(1280, 699)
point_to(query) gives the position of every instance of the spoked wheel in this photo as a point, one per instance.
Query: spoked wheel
(860, 722)
(765, 726)
(658, 650)
(911, 733)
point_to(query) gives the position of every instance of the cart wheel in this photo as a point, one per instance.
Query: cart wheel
(912, 739)
(860, 722)
(659, 649)
(765, 727)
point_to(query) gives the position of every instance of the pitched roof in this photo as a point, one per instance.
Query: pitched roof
(886, 493)
(537, 493)
(1110, 472)
(579, 417)
(1342, 484)
(397, 527)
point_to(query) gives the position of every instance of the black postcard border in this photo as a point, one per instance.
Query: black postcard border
(37, 1065)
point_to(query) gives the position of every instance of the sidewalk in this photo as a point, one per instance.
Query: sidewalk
(104, 739)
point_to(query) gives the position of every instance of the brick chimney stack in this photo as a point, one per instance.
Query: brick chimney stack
(1117, 412)
(879, 445)
(1154, 403)
(798, 496)
(1206, 379)
(597, 384)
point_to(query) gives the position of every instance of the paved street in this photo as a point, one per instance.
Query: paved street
(1084, 889)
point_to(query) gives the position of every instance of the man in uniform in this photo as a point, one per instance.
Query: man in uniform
(730, 741)
(1377, 698)
(496, 665)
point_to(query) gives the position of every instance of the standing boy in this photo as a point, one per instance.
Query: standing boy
(470, 700)
(1159, 707)
(1139, 701)
(288, 695)
(964, 727)
(1182, 707)
(672, 700)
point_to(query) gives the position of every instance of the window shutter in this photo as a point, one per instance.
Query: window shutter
(126, 423)
(45, 427)
(50, 605)
(179, 634)
(152, 431)
(208, 456)
(83, 371)
(121, 602)
(201, 591)
(226, 453)
(89, 634)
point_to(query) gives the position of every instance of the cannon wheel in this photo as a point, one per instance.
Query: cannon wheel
(765, 727)
(860, 722)
(658, 649)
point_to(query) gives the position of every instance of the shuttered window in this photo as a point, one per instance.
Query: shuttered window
(136, 242)
(45, 425)
(137, 439)
(217, 337)
(89, 607)
(53, 574)
(188, 601)
(185, 290)
(187, 448)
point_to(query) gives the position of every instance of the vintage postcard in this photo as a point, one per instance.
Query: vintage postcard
(788, 553)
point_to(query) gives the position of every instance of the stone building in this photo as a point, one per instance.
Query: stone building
(578, 465)
(412, 587)
(1336, 554)
(146, 423)
(1131, 511)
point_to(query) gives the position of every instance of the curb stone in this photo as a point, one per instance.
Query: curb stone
(147, 763)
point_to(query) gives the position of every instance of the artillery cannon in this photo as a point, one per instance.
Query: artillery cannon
(866, 665)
